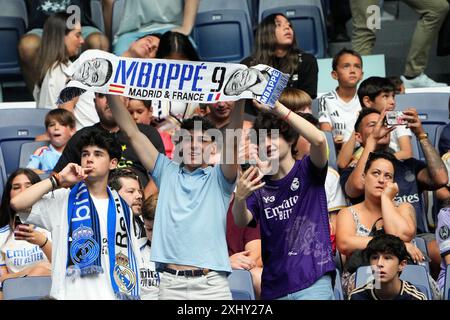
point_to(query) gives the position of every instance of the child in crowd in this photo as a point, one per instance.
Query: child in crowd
(387, 256)
(378, 93)
(297, 100)
(60, 126)
(339, 108)
(142, 112)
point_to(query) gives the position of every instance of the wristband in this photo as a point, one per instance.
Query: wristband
(287, 116)
(46, 240)
(422, 136)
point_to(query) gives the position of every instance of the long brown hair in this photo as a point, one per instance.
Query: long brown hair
(52, 51)
(266, 44)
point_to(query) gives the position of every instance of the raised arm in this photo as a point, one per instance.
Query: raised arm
(230, 146)
(70, 175)
(435, 174)
(306, 129)
(354, 186)
(145, 150)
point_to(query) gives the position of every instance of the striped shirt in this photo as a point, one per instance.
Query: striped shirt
(407, 292)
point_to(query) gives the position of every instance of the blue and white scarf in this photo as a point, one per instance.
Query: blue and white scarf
(84, 241)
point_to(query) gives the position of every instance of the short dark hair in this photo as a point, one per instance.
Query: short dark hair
(188, 124)
(103, 140)
(338, 56)
(387, 243)
(373, 156)
(269, 121)
(362, 114)
(372, 87)
(116, 174)
(63, 116)
(397, 82)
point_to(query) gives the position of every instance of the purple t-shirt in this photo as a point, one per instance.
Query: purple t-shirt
(295, 232)
(443, 240)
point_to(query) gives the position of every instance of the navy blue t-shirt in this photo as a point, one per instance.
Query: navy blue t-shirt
(410, 191)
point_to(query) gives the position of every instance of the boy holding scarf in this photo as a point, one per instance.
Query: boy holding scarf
(189, 243)
(96, 252)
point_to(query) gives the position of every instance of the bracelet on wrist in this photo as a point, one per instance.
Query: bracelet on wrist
(287, 115)
(422, 136)
(46, 240)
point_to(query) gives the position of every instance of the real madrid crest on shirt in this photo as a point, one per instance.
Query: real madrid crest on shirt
(295, 184)
(444, 232)
(84, 249)
(123, 275)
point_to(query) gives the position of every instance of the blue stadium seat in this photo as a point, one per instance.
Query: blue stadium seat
(241, 285)
(421, 244)
(307, 20)
(27, 288)
(27, 149)
(338, 292)
(97, 14)
(431, 106)
(430, 127)
(223, 31)
(11, 29)
(332, 159)
(447, 283)
(16, 127)
(416, 275)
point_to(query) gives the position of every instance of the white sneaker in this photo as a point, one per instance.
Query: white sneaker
(421, 81)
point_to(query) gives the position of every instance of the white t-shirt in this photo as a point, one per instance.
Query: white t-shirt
(400, 131)
(150, 278)
(51, 213)
(333, 190)
(339, 114)
(18, 255)
(47, 95)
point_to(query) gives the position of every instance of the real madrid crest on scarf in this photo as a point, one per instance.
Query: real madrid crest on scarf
(84, 249)
(123, 275)
(84, 236)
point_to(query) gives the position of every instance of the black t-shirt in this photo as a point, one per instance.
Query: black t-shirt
(405, 176)
(306, 76)
(129, 157)
(39, 10)
(407, 292)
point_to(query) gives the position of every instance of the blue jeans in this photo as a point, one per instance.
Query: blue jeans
(322, 289)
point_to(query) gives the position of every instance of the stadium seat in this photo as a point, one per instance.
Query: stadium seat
(447, 284)
(97, 14)
(431, 106)
(27, 149)
(307, 20)
(16, 127)
(332, 159)
(421, 244)
(241, 285)
(338, 292)
(26, 288)
(223, 30)
(117, 14)
(430, 127)
(415, 274)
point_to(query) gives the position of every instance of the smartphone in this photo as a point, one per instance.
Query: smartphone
(395, 118)
(18, 222)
